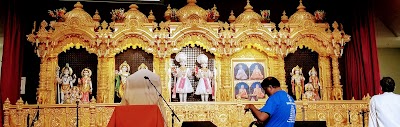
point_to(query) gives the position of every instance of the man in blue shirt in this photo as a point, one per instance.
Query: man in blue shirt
(280, 108)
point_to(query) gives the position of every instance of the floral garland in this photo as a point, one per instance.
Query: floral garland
(319, 15)
(174, 17)
(265, 14)
(118, 14)
(58, 13)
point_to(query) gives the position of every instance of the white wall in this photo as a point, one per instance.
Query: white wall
(389, 64)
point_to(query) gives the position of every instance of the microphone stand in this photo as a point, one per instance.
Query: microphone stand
(349, 116)
(77, 113)
(35, 118)
(159, 94)
(362, 113)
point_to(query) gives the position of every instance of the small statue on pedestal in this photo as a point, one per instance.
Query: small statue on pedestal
(315, 82)
(182, 74)
(205, 75)
(76, 95)
(85, 84)
(297, 82)
(309, 94)
(66, 81)
(121, 76)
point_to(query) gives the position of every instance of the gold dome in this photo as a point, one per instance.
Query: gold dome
(248, 15)
(96, 16)
(78, 14)
(134, 13)
(301, 15)
(191, 9)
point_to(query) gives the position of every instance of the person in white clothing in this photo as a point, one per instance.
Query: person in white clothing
(384, 109)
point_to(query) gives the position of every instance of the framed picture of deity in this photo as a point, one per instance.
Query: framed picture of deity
(247, 75)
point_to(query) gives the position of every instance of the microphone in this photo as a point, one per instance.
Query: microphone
(145, 77)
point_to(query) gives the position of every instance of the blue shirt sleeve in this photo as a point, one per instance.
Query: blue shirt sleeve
(269, 106)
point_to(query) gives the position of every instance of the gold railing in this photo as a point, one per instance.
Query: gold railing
(224, 114)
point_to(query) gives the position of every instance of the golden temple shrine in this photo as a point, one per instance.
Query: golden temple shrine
(233, 51)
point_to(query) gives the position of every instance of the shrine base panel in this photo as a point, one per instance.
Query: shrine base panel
(223, 114)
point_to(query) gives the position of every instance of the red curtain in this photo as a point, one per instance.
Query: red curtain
(361, 61)
(11, 66)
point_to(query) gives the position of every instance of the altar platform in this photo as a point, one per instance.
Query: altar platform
(346, 113)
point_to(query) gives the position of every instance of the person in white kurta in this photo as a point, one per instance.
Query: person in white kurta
(384, 110)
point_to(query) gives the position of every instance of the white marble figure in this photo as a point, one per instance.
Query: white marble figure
(205, 75)
(65, 82)
(182, 74)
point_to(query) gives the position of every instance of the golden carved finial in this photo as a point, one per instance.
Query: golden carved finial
(353, 98)
(93, 100)
(191, 2)
(20, 101)
(7, 101)
(78, 5)
(284, 18)
(335, 25)
(133, 7)
(248, 7)
(232, 17)
(167, 14)
(96, 16)
(215, 11)
(151, 17)
(301, 7)
(368, 97)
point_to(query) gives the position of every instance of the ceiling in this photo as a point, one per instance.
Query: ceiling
(387, 23)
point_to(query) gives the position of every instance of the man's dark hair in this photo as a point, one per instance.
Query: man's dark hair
(270, 81)
(387, 84)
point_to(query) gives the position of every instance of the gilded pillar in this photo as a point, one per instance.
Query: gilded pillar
(225, 88)
(105, 79)
(162, 68)
(92, 110)
(281, 74)
(6, 108)
(337, 88)
(325, 77)
(217, 78)
(47, 91)
(20, 116)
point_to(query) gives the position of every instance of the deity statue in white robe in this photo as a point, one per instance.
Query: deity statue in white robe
(204, 87)
(65, 82)
(181, 76)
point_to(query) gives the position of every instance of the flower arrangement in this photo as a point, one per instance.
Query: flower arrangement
(265, 15)
(319, 15)
(174, 17)
(58, 13)
(212, 15)
(117, 15)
